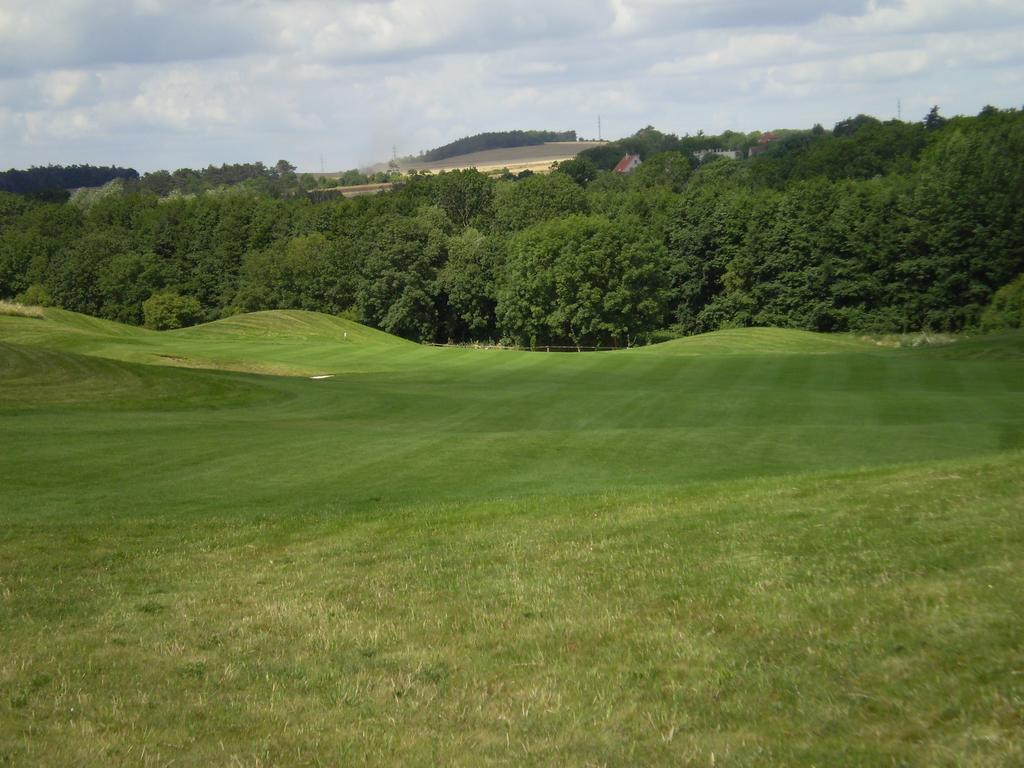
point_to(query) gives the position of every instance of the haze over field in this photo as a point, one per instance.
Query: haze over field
(154, 84)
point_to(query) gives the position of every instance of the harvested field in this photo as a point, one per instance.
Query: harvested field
(538, 157)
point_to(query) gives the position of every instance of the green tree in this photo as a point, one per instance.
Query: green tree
(168, 310)
(521, 204)
(667, 169)
(77, 270)
(933, 121)
(868, 226)
(585, 280)
(966, 227)
(779, 276)
(1007, 308)
(126, 280)
(24, 259)
(468, 283)
(399, 292)
(158, 182)
(260, 281)
(12, 208)
(851, 125)
(35, 295)
(707, 232)
(464, 195)
(305, 272)
(580, 169)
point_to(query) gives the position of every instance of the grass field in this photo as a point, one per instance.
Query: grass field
(754, 547)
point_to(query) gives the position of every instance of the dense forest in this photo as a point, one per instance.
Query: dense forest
(256, 177)
(870, 227)
(50, 178)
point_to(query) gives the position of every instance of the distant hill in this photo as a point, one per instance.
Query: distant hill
(534, 157)
(495, 140)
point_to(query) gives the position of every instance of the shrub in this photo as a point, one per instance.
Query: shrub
(35, 295)
(1007, 307)
(168, 310)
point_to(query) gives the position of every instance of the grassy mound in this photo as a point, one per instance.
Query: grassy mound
(290, 325)
(759, 341)
(283, 342)
(33, 377)
(65, 330)
(1005, 345)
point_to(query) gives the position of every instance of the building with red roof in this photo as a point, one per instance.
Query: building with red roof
(762, 142)
(627, 164)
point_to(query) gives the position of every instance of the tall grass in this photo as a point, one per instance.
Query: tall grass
(13, 309)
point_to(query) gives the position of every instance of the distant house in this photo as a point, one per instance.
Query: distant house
(700, 154)
(762, 143)
(627, 164)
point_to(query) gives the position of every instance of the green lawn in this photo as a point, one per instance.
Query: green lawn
(751, 547)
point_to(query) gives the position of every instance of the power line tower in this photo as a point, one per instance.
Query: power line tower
(599, 128)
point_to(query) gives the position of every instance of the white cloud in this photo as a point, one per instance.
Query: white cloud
(402, 29)
(887, 65)
(958, 49)
(166, 83)
(183, 98)
(922, 16)
(533, 68)
(37, 35)
(58, 125)
(62, 86)
(743, 50)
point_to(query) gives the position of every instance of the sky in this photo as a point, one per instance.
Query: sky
(154, 84)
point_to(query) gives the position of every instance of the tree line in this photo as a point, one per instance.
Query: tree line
(854, 229)
(60, 177)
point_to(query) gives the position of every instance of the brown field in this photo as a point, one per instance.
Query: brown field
(537, 158)
(534, 158)
(358, 190)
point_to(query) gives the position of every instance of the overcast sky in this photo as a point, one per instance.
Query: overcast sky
(170, 83)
